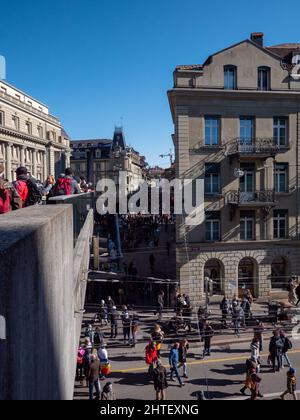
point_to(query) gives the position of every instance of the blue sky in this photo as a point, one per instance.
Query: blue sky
(95, 61)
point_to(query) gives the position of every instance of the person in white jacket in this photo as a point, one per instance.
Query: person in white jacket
(255, 352)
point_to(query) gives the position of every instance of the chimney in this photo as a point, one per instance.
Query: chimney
(258, 38)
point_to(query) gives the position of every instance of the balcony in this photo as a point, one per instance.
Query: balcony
(260, 148)
(252, 199)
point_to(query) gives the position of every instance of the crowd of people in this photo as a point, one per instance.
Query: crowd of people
(28, 191)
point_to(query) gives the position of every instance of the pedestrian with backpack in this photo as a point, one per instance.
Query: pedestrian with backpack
(287, 345)
(66, 185)
(9, 198)
(29, 192)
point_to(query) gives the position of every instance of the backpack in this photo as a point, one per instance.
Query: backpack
(289, 344)
(35, 194)
(4, 200)
(63, 186)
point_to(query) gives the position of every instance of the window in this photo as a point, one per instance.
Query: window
(212, 226)
(246, 131)
(247, 223)
(212, 178)
(212, 131)
(280, 131)
(54, 135)
(264, 78)
(40, 131)
(230, 77)
(281, 177)
(16, 121)
(280, 224)
(29, 127)
(1, 118)
(247, 182)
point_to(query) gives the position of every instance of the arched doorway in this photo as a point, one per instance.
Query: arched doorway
(280, 273)
(214, 270)
(248, 276)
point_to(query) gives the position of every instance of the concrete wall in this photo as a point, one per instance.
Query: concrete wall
(38, 288)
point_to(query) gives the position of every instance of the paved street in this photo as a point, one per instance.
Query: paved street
(221, 376)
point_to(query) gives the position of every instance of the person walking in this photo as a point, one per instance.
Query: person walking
(237, 318)
(251, 367)
(174, 360)
(291, 385)
(287, 345)
(246, 306)
(27, 189)
(160, 381)
(93, 378)
(151, 356)
(66, 185)
(256, 382)
(183, 351)
(255, 353)
(208, 333)
(275, 349)
(90, 332)
(103, 313)
(259, 333)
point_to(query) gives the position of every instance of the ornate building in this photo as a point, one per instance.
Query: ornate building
(237, 120)
(30, 136)
(104, 158)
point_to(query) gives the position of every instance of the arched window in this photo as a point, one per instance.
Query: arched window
(264, 78)
(230, 77)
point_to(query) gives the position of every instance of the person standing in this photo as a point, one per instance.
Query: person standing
(275, 349)
(291, 385)
(174, 360)
(287, 345)
(126, 321)
(292, 291)
(9, 198)
(161, 304)
(151, 356)
(157, 336)
(208, 333)
(134, 328)
(225, 309)
(27, 188)
(183, 351)
(298, 294)
(114, 322)
(160, 381)
(66, 185)
(93, 378)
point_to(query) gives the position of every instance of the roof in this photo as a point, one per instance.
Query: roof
(284, 51)
(91, 142)
(273, 51)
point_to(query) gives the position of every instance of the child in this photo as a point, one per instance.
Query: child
(291, 384)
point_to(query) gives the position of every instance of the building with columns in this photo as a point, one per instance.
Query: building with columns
(237, 127)
(30, 136)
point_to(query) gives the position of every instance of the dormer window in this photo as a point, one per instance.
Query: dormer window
(264, 78)
(230, 77)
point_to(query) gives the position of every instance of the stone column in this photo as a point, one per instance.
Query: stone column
(51, 160)
(34, 163)
(8, 161)
(45, 165)
(23, 155)
(68, 159)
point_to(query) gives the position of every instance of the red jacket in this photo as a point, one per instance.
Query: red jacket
(22, 189)
(151, 354)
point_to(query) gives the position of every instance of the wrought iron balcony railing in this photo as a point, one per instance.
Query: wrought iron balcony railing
(252, 199)
(260, 147)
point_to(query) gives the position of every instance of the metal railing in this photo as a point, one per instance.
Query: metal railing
(255, 197)
(82, 204)
(258, 146)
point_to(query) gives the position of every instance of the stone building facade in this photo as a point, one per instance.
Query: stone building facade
(237, 127)
(105, 158)
(30, 136)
